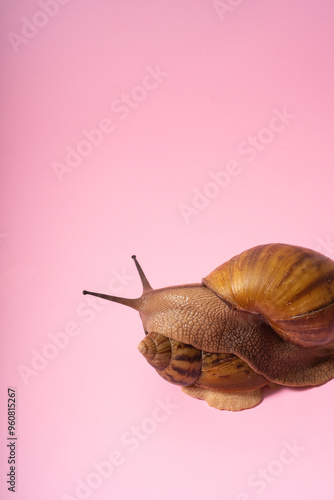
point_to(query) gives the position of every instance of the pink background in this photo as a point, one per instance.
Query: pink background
(222, 74)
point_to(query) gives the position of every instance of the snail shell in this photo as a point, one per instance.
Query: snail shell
(291, 287)
(183, 364)
(176, 362)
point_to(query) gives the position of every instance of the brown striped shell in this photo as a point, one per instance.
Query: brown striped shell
(176, 362)
(183, 364)
(291, 287)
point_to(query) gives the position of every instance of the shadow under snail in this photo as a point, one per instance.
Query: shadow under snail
(263, 318)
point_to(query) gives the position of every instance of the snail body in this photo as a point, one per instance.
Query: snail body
(265, 317)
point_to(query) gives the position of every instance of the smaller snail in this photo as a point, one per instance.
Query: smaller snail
(263, 318)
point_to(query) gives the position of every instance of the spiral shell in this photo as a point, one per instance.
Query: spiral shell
(291, 287)
(183, 364)
(176, 362)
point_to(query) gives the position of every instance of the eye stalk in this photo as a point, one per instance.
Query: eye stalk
(134, 303)
(143, 279)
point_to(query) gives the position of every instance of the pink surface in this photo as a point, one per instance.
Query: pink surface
(184, 132)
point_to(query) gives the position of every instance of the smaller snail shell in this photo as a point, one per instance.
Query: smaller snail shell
(157, 350)
(183, 364)
(176, 362)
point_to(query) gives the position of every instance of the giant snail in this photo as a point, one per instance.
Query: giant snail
(265, 317)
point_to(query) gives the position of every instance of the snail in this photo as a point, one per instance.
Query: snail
(263, 318)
